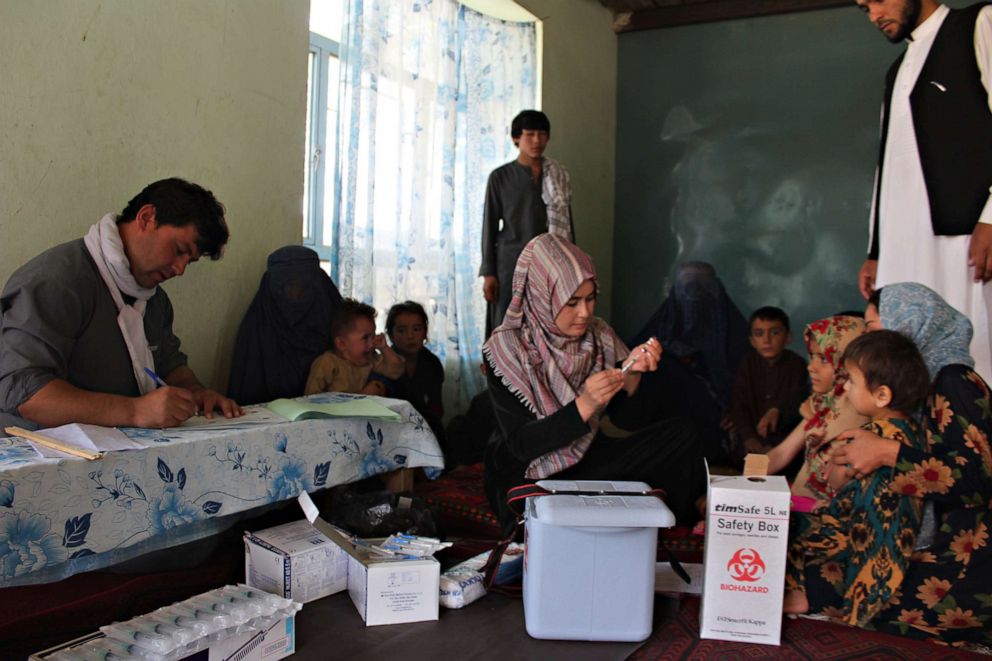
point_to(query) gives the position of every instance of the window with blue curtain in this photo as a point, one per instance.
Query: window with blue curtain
(398, 157)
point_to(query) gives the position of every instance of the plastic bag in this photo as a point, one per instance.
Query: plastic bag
(381, 513)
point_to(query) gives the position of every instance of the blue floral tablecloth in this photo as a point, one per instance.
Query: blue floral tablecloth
(59, 517)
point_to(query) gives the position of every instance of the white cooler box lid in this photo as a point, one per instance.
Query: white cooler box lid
(604, 507)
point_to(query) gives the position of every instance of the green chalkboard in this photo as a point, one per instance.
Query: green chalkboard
(750, 144)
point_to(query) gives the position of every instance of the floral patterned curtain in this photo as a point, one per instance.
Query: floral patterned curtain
(428, 91)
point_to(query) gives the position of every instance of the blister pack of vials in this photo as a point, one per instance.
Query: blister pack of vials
(185, 627)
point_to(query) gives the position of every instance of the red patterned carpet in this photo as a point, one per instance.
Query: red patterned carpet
(461, 503)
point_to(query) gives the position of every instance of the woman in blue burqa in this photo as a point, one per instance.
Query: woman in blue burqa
(287, 325)
(705, 337)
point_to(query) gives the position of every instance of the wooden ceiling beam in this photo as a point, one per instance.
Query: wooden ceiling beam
(714, 10)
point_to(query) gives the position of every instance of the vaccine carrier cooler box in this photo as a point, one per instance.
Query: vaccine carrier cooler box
(590, 560)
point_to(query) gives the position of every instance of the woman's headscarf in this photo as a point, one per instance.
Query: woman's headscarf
(699, 320)
(942, 334)
(828, 414)
(287, 325)
(537, 362)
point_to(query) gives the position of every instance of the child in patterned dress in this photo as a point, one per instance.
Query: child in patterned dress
(826, 413)
(864, 537)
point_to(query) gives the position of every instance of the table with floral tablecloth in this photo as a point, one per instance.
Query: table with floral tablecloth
(59, 517)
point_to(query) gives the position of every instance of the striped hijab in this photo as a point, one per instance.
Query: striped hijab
(537, 362)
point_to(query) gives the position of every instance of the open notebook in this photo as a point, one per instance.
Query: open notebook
(292, 409)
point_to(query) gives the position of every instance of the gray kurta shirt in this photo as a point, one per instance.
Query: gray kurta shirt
(58, 321)
(514, 197)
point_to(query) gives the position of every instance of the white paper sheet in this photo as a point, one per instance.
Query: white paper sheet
(85, 437)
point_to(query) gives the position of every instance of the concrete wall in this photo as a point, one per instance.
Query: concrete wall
(100, 98)
(579, 96)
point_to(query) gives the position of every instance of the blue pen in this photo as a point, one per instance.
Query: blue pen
(161, 384)
(156, 378)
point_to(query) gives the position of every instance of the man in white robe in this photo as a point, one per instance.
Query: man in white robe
(903, 237)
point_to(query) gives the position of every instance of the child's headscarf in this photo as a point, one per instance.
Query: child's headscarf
(541, 365)
(942, 334)
(828, 414)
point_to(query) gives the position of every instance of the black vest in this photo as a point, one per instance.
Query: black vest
(953, 128)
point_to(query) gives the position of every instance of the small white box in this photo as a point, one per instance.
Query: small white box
(385, 591)
(295, 561)
(747, 529)
(590, 560)
(394, 591)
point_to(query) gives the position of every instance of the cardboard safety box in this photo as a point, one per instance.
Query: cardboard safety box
(295, 561)
(384, 590)
(747, 527)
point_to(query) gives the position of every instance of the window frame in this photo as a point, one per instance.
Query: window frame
(321, 48)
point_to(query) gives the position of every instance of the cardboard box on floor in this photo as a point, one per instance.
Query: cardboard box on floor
(385, 591)
(747, 527)
(295, 561)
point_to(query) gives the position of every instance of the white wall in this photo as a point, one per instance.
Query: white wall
(101, 97)
(579, 96)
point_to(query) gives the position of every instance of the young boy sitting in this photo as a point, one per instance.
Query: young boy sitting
(861, 540)
(887, 381)
(353, 365)
(770, 385)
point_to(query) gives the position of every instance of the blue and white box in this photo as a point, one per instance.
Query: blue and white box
(295, 561)
(590, 560)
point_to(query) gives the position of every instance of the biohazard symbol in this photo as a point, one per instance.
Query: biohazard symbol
(746, 565)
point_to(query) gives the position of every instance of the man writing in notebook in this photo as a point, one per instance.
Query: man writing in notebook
(85, 329)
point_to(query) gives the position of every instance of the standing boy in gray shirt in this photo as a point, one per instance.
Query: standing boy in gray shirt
(526, 197)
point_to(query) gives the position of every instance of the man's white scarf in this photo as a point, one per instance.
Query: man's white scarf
(105, 246)
(556, 191)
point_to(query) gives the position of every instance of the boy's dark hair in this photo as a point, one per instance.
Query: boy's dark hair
(875, 298)
(345, 315)
(770, 313)
(406, 307)
(889, 358)
(179, 203)
(529, 120)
